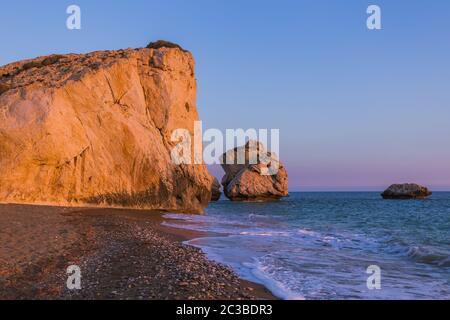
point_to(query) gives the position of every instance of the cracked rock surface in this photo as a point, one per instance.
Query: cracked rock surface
(95, 129)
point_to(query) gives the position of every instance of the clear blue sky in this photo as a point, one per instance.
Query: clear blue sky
(357, 109)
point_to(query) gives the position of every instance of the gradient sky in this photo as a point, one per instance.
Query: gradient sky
(357, 109)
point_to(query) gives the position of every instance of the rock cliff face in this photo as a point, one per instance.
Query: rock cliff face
(249, 180)
(406, 191)
(95, 129)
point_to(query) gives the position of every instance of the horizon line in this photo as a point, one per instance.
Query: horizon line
(355, 189)
(352, 191)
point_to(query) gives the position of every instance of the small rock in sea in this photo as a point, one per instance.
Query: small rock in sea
(215, 190)
(406, 191)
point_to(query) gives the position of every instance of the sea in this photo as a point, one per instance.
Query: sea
(332, 246)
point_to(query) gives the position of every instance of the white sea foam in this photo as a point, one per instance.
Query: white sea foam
(278, 288)
(265, 233)
(255, 271)
(307, 232)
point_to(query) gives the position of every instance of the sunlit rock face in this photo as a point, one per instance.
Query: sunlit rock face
(95, 129)
(257, 176)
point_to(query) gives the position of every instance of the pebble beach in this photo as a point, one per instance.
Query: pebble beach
(122, 255)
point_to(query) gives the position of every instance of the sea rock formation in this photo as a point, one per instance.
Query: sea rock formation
(253, 174)
(95, 129)
(406, 191)
(215, 190)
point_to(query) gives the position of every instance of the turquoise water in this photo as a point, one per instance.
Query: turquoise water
(319, 245)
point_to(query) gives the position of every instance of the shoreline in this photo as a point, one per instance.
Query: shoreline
(123, 254)
(259, 291)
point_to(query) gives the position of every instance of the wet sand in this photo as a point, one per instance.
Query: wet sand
(123, 254)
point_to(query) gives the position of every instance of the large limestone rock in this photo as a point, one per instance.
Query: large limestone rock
(256, 177)
(95, 129)
(406, 191)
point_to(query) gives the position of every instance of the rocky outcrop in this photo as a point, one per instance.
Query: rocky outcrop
(95, 129)
(258, 177)
(215, 190)
(406, 191)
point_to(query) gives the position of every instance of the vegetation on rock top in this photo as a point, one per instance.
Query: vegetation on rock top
(164, 44)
